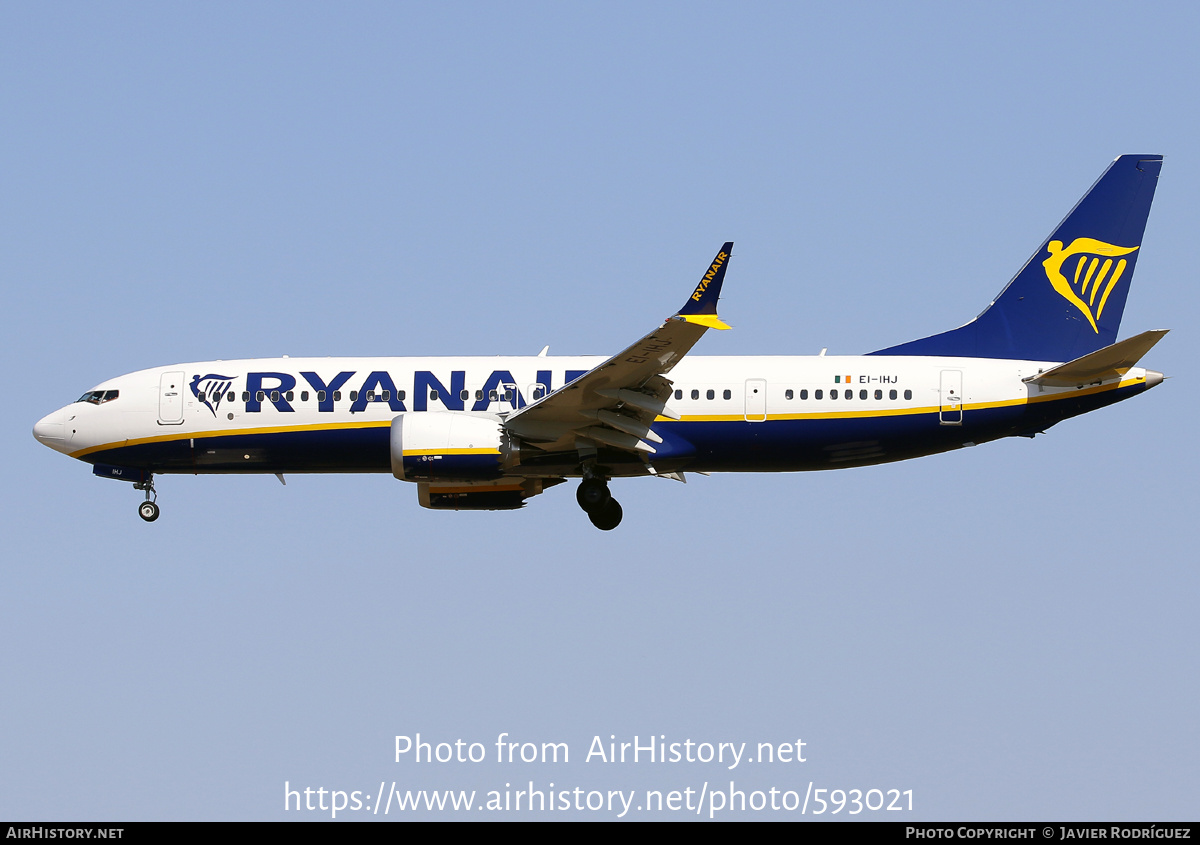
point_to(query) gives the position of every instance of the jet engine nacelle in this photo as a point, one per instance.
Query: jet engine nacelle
(447, 446)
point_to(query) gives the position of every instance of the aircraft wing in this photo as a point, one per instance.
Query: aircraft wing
(615, 403)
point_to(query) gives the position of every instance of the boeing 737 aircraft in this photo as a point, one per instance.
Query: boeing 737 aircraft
(489, 433)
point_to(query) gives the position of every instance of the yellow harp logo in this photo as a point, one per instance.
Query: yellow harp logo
(1094, 270)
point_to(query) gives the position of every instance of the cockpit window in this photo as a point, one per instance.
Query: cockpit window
(99, 397)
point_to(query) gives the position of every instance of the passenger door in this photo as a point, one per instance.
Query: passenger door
(170, 398)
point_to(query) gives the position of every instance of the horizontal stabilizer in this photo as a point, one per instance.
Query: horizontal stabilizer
(1107, 363)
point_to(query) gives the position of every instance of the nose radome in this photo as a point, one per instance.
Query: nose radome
(50, 430)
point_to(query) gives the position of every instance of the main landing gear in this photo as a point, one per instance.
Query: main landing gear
(602, 509)
(148, 510)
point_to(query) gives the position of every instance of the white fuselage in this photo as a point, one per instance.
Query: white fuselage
(238, 416)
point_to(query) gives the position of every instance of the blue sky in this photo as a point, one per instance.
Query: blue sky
(1009, 631)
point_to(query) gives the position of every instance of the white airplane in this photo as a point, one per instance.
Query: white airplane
(489, 433)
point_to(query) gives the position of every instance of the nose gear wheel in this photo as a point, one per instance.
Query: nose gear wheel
(148, 510)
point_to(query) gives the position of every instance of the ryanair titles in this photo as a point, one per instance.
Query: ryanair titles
(718, 262)
(279, 390)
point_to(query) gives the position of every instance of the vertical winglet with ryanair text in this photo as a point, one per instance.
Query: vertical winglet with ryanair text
(701, 306)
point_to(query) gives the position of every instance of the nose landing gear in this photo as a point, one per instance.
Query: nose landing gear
(597, 502)
(148, 510)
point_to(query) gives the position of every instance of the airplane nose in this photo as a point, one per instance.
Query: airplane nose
(50, 430)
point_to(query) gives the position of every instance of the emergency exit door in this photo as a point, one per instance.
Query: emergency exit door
(756, 400)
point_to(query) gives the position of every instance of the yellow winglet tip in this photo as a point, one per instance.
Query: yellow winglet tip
(709, 321)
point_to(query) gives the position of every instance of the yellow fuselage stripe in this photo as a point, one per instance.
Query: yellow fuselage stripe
(192, 435)
(897, 412)
(408, 453)
(827, 415)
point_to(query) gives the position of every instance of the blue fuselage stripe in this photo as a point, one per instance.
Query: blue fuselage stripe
(734, 445)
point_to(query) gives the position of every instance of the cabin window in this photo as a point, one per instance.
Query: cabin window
(695, 394)
(231, 396)
(833, 393)
(370, 395)
(433, 396)
(878, 394)
(493, 396)
(862, 394)
(321, 395)
(274, 395)
(787, 394)
(464, 395)
(728, 394)
(337, 396)
(260, 396)
(891, 394)
(245, 395)
(678, 394)
(849, 394)
(478, 395)
(804, 394)
(908, 394)
(303, 395)
(711, 394)
(387, 396)
(818, 394)
(353, 395)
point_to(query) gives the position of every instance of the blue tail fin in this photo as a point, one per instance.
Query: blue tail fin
(1068, 299)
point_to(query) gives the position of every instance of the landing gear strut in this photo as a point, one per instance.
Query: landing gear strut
(148, 510)
(602, 509)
